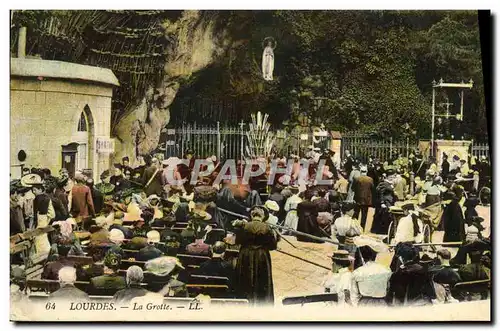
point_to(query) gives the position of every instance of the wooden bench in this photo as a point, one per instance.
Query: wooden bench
(208, 280)
(125, 264)
(231, 253)
(467, 289)
(300, 300)
(49, 285)
(187, 259)
(214, 291)
(83, 260)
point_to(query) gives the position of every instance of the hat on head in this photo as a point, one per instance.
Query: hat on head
(367, 252)
(163, 265)
(201, 214)
(138, 242)
(133, 213)
(444, 253)
(363, 169)
(31, 180)
(125, 158)
(341, 256)
(112, 260)
(272, 205)
(153, 236)
(426, 259)
(259, 213)
(116, 235)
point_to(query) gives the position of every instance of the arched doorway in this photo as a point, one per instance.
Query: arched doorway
(85, 140)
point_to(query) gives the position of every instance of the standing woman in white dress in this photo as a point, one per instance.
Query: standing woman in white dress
(292, 218)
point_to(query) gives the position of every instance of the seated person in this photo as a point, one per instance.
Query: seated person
(164, 272)
(171, 241)
(370, 281)
(339, 279)
(150, 251)
(471, 272)
(134, 278)
(217, 265)
(117, 238)
(67, 290)
(474, 270)
(110, 281)
(198, 248)
(444, 275)
(100, 233)
(410, 283)
(51, 269)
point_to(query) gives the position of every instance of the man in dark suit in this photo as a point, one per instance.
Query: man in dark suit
(217, 266)
(363, 194)
(445, 167)
(97, 197)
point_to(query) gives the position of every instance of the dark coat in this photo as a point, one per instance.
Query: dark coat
(254, 279)
(382, 217)
(127, 294)
(16, 218)
(307, 213)
(97, 199)
(445, 275)
(453, 222)
(60, 209)
(414, 282)
(40, 206)
(471, 272)
(148, 253)
(363, 190)
(155, 186)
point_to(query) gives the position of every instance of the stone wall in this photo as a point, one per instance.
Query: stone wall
(44, 115)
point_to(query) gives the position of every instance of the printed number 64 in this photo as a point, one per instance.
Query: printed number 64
(50, 305)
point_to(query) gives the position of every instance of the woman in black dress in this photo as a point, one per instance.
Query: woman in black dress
(254, 278)
(385, 199)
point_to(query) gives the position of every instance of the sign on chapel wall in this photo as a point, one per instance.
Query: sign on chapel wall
(105, 145)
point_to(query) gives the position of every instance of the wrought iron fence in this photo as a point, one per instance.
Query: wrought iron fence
(362, 145)
(206, 140)
(480, 149)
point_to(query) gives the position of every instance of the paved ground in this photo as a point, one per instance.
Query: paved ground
(293, 277)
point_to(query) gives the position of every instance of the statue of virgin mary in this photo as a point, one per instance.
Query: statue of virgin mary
(268, 58)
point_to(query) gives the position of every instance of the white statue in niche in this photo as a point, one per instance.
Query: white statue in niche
(268, 58)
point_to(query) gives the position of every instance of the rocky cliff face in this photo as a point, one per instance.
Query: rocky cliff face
(194, 45)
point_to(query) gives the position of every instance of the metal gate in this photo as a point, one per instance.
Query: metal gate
(205, 141)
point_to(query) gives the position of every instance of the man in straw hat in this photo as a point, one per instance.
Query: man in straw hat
(339, 279)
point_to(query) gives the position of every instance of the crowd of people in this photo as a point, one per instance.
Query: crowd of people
(138, 209)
